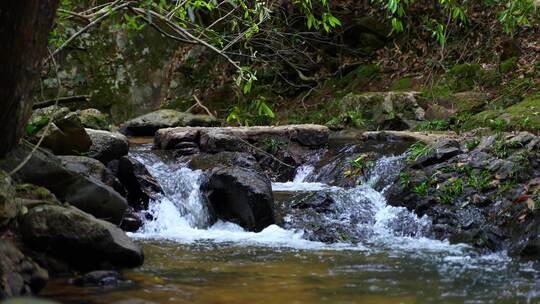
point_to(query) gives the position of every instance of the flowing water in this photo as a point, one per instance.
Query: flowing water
(188, 261)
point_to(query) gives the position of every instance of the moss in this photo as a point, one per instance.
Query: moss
(34, 192)
(402, 84)
(437, 91)
(524, 115)
(508, 65)
(465, 77)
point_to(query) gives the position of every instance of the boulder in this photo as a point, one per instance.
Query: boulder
(240, 138)
(19, 275)
(148, 124)
(78, 238)
(386, 110)
(107, 146)
(65, 136)
(94, 119)
(90, 167)
(236, 189)
(84, 192)
(140, 184)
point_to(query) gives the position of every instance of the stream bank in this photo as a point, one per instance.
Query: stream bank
(289, 188)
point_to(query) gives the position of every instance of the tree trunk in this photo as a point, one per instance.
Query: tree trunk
(24, 32)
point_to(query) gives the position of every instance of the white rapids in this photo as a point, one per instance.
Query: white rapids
(181, 216)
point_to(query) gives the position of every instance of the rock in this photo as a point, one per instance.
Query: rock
(438, 112)
(140, 184)
(8, 208)
(65, 136)
(390, 135)
(148, 124)
(90, 167)
(386, 110)
(236, 189)
(94, 119)
(40, 117)
(237, 138)
(19, 275)
(86, 193)
(78, 238)
(339, 215)
(132, 221)
(438, 152)
(98, 278)
(107, 146)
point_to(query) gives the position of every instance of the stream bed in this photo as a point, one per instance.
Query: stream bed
(397, 262)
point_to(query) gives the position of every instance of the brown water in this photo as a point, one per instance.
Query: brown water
(224, 273)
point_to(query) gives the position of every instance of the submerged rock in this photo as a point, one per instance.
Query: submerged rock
(98, 278)
(86, 193)
(19, 275)
(236, 189)
(107, 146)
(78, 238)
(148, 124)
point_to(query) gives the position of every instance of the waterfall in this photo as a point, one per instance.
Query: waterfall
(180, 214)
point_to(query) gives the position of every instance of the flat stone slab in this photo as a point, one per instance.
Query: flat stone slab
(216, 139)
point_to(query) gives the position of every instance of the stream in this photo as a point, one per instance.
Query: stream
(396, 261)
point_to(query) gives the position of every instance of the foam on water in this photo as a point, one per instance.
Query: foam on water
(181, 215)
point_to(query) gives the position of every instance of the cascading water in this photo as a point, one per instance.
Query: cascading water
(180, 214)
(389, 259)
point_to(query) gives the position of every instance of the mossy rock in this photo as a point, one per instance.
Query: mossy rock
(33, 192)
(40, 118)
(469, 101)
(386, 110)
(523, 115)
(94, 119)
(465, 77)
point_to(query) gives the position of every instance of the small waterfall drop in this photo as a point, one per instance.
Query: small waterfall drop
(181, 214)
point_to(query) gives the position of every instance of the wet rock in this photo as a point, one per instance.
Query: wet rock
(94, 119)
(325, 216)
(78, 238)
(140, 184)
(107, 146)
(241, 138)
(90, 167)
(86, 193)
(132, 221)
(98, 278)
(481, 196)
(236, 189)
(19, 275)
(438, 152)
(148, 124)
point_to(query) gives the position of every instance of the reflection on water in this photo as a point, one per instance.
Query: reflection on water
(189, 262)
(226, 273)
